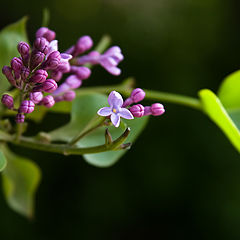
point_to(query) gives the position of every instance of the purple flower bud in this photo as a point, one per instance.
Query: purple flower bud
(16, 64)
(83, 44)
(41, 44)
(19, 118)
(52, 61)
(48, 101)
(39, 76)
(81, 72)
(137, 110)
(50, 35)
(27, 106)
(157, 109)
(7, 71)
(46, 33)
(56, 75)
(36, 59)
(41, 31)
(73, 82)
(23, 49)
(7, 100)
(25, 73)
(69, 95)
(49, 86)
(36, 97)
(137, 95)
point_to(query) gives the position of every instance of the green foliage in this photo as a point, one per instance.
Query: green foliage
(84, 111)
(3, 161)
(20, 181)
(10, 36)
(213, 107)
(229, 92)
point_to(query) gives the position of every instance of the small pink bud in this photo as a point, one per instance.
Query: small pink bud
(23, 48)
(36, 59)
(19, 118)
(16, 64)
(83, 44)
(7, 100)
(39, 76)
(48, 101)
(27, 106)
(137, 95)
(81, 72)
(69, 96)
(52, 61)
(137, 110)
(49, 86)
(46, 33)
(7, 71)
(41, 44)
(36, 97)
(157, 109)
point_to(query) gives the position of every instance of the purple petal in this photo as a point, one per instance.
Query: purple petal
(115, 99)
(115, 119)
(105, 111)
(113, 50)
(107, 62)
(65, 57)
(53, 46)
(114, 70)
(125, 113)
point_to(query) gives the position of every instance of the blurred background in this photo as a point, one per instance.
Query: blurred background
(181, 179)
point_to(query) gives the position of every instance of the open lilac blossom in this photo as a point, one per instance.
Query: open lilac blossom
(109, 60)
(115, 111)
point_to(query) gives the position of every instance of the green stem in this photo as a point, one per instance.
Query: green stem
(69, 150)
(126, 88)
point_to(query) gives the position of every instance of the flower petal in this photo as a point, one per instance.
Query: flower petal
(105, 111)
(115, 99)
(114, 70)
(65, 57)
(125, 113)
(53, 46)
(115, 119)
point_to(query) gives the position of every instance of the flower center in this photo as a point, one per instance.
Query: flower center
(114, 110)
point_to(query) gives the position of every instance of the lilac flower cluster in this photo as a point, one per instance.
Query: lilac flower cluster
(119, 109)
(38, 70)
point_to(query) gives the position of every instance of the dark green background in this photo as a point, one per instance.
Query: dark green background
(181, 179)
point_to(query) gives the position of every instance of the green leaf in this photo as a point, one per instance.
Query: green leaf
(3, 161)
(84, 110)
(10, 36)
(21, 178)
(217, 113)
(229, 91)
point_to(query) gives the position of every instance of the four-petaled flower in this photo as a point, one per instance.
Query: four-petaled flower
(116, 111)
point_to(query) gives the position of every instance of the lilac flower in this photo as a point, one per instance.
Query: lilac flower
(46, 33)
(19, 118)
(7, 100)
(109, 60)
(115, 110)
(27, 106)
